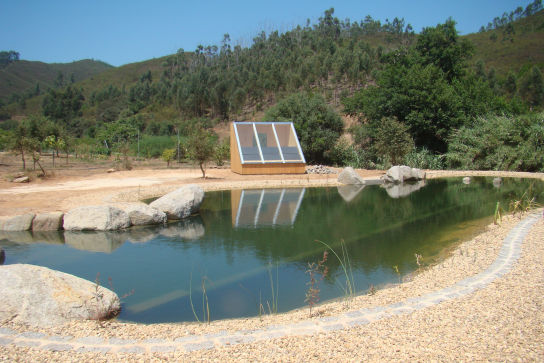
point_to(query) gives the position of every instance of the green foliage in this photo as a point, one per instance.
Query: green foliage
(532, 87)
(168, 155)
(441, 47)
(222, 152)
(200, 147)
(499, 143)
(63, 105)
(424, 159)
(153, 146)
(317, 125)
(5, 139)
(393, 140)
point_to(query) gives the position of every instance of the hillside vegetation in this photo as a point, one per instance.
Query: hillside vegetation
(428, 91)
(21, 76)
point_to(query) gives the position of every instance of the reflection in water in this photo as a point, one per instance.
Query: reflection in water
(265, 207)
(403, 189)
(349, 192)
(108, 241)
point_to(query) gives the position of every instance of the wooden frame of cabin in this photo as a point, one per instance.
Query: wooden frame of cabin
(265, 148)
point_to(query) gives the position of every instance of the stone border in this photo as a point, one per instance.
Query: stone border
(508, 255)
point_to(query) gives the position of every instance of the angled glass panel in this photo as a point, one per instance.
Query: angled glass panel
(288, 143)
(267, 141)
(248, 143)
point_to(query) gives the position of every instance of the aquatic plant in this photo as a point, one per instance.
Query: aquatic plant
(205, 302)
(314, 269)
(345, 263)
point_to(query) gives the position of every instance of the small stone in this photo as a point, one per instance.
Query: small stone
(23, 179)
(111, 170)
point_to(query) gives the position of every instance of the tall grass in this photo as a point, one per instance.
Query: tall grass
(345, 263)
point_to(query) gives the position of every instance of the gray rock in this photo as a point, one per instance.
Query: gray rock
(349, 192)
(350, 177)
(16, 223)
(466, 180)
(41, 297)
(47, 221)
(180, 203)
(142, 214)
(22, 179)
(402, 173)
(2, 256)
(96, 218)
(99, 241)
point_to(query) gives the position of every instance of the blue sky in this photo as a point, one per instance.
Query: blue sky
(120, 32)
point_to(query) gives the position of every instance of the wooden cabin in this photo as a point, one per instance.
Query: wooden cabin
(265, 148)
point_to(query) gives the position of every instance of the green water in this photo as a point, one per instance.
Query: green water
(252, 248)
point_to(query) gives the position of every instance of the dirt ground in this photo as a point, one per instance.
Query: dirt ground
(76, 182)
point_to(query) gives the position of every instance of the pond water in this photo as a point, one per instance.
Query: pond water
(250, 249)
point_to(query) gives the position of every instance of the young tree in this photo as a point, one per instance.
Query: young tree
(200, 147)
(168, 155)
(393, 140)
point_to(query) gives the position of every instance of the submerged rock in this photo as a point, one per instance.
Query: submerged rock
(38, 296)
(96, 218)
(350, 177)
(466, 180)
(180, 203)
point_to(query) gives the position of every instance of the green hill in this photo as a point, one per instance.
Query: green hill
(512, 48)
(22, 76)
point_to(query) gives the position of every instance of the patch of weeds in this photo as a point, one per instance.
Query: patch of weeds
(100, 311)
(526, 203)
(315, 270)
(396, 269)
(345, 263)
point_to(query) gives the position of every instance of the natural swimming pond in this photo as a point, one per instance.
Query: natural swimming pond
(250, 249)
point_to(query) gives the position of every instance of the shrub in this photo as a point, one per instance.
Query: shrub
(424, 159)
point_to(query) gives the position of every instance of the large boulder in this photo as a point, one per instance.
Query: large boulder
(350, 177)
(41, 297)
(16, 223)
(180, 203)
(47, 221)
(96, 218)
(141, 214)
(402, 173)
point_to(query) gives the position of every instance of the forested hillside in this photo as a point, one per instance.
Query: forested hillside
(24, 79)
(423, 92)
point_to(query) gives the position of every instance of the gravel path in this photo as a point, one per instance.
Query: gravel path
(484, 302)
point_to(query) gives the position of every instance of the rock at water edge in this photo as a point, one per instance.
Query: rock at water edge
(142, 214)
(96, 218)
(41, 297)
(349, 176)
(47, 221)
(180, 203)
(16, 223)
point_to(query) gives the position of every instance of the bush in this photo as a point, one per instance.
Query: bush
(222, 152)
(499, 143)
(424, 159)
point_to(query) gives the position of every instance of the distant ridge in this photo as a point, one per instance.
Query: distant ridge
(22, 76)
